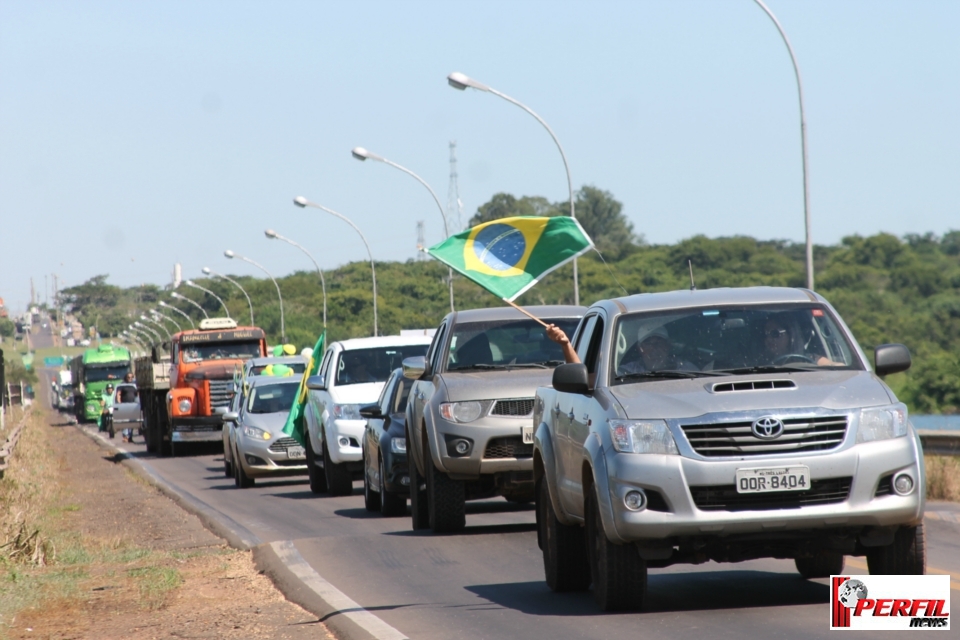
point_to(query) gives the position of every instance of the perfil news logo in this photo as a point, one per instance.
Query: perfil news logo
(889, 602)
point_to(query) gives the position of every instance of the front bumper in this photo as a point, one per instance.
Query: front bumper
(496, 446)
(200, 429)
(261, 458)
(352, 430)
(676, 479)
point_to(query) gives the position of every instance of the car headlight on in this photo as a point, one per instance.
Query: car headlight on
(346, 412)
(256, 434)
(882, 424)
(461, 411)
(398, 445)
(642, 436)
(184, 406)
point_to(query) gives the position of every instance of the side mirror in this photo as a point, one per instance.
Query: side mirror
(231, 416)
(414, 367)
(891, 358)
(316, 383)
(571, 378)
(371, 411)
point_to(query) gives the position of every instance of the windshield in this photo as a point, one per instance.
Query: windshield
(99, 374)
(753, 339)
(221, 351)
(374, 365)
(500, 343)
(273, 398)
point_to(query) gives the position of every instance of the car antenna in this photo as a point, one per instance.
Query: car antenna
(693, 286)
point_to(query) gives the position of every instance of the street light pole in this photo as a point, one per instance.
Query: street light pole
(362, 154)
(803, 145)
(300, 201)
(173, 308)
(460, 81)
(153, 332)
(157, 314)
(140, 333)
(174, 294)
(191, 283)
(273, 235)
(210, 272)
(232, 255)
(158, 324)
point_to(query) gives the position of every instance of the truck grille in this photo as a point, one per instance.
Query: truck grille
(800, 435)
(522, 407)
(281, 445)
(221, 393)
(726, 498)
(508, 448)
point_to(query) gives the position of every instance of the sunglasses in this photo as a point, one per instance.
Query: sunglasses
(776, 333)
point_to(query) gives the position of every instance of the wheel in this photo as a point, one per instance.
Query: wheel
(339, 482)
(318, 480)
(419, 513)
(446, 501)
(907, 556)
(371, 499)
(391, 504)
(565, 561)
(618, 573)
(110, 429)
(151, 444)
(822, 565)
(227, 467)
(243, 481)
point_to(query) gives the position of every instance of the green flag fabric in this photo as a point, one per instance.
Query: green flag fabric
(295, 427)
(508, 256)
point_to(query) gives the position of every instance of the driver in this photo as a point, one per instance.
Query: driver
(356, 371)
(779, 349)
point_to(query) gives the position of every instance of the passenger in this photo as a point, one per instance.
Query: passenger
(656, 353)
(557, 334)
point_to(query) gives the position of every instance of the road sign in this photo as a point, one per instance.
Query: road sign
(50, 363)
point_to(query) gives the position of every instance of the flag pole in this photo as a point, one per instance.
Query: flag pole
(525, 312)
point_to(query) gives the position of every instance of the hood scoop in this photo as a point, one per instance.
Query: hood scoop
(751, 385)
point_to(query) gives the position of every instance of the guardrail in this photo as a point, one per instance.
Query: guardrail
(940, 443)
(6, 451)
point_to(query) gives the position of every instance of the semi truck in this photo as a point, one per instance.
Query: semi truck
(185, 391)
(91, 373)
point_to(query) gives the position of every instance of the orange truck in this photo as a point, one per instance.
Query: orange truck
(184, 395)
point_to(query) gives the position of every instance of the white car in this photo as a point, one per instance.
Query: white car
(352, 374)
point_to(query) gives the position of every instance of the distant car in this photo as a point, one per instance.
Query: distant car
(256, 366)
(386, 480)
(126, 408)
(352, 374)
(254, 445)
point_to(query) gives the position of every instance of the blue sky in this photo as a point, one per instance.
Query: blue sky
(138, 134)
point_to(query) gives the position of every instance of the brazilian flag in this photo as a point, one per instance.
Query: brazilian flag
(295, 427)
(508, 256)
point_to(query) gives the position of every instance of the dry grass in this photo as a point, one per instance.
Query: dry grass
(943, 477)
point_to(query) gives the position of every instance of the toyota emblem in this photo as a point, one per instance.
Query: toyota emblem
(767, 428)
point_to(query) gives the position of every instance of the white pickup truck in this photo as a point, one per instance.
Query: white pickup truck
(723, 425)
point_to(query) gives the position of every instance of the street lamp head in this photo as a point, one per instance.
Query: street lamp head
(206, 270)
(360, 153)
(270, 233)
(143, 317)
(228, 253)
(174, 294)
(189, 283)
(300, 201)
(458, 81)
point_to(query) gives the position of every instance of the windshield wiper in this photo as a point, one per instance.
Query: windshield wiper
(481, 366)
(667, 374)
(772, 368)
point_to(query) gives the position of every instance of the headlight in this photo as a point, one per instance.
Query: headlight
(882, 424)
(346, 412)
(256, 434)
(460, 411)
(642, 436)
(184, 406)
(398, 445)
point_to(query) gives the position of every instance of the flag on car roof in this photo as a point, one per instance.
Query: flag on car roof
(295, 427)
(508, 256)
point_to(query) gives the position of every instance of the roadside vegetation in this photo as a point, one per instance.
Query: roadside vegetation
(943, 477)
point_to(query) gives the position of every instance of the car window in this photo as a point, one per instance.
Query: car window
(592, 357)
(582, 342)
(358, 366)
(402, 394)
(385, 394)
(325, 365)
(434, 356)
(504, 342)
(272, 398)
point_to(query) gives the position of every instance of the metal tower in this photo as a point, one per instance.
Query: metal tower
(420, 242)
(454, 205)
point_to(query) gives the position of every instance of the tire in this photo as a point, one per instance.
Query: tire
(446, 501)
(371, 499)
(618, 573)
(339, 482)
(907, 556)
(391, 504)
(227, 467)
(318, 480)
(151, 445)
(110, 429)
(419, 513)
(822, 565)
(566, 564)
(243, 481)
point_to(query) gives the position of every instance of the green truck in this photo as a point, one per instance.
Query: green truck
(91, 373)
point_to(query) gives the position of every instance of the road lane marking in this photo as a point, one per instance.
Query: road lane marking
(290, 556)
(954, 578)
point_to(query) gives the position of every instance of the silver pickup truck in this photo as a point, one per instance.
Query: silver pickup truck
(723, 425)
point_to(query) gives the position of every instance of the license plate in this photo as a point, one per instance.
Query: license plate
(773, 479)
(527, 434)
(296, 453)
